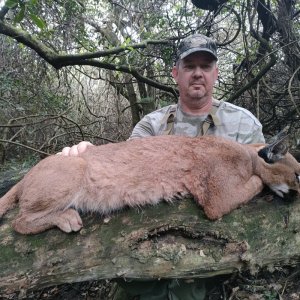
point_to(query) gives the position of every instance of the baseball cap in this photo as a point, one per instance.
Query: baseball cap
(194, 43)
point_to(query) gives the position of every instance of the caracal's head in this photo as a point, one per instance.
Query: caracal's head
(285, 170)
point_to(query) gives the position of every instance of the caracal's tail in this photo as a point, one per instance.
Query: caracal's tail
(9, 200)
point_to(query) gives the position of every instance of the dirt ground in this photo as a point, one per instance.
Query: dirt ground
(283, 284)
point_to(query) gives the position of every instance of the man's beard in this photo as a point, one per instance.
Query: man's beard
(197, 95)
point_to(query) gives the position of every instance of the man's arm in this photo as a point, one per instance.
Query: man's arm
(253, 137)
(142, 129)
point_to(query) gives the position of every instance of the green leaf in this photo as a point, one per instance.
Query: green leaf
(11, 3)
(38, 21)
(33, 2)
(20, 15)
(127, 41)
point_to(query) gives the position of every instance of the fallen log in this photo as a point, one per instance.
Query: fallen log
(163, 241)
(10, 177)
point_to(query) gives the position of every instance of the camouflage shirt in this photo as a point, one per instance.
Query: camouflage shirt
(226, 120)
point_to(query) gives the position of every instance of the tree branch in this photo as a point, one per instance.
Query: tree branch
(262, 72)
(24, 146)
(4, 10)
(290, 92)
(256, 79)
(59, 61)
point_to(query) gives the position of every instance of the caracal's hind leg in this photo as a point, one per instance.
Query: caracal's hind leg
(30, 223)
(224, 202)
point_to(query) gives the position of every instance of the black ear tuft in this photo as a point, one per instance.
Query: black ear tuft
(275, 151)
(263, 153)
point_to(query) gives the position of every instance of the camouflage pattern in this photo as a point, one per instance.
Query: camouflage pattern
(195, 43)
(230, 121)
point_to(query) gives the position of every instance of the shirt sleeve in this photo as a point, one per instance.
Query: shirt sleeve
(142, 129)
(253, 136)
(258, 136)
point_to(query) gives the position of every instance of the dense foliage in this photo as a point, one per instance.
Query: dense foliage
(74, 70)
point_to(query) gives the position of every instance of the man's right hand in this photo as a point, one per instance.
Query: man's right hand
(76, 149)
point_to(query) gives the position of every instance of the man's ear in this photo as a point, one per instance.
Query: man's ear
(276, 150)
(175, 73)
(216, 73)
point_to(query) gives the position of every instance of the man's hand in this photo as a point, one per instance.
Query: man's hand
(76, 149)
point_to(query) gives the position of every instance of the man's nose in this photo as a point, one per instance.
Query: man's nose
(198, 72)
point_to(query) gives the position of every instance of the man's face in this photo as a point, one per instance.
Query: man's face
(196, 75)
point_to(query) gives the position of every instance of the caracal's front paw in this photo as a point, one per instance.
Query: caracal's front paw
(69, 220)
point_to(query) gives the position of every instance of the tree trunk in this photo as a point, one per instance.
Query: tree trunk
(163, 241)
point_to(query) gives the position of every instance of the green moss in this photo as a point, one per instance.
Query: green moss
(36, 241)
(8, 254)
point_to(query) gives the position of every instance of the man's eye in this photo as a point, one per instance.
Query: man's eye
(206, 67)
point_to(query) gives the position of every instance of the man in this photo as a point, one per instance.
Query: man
(197, 113)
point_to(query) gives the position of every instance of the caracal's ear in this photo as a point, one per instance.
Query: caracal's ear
(277, 149)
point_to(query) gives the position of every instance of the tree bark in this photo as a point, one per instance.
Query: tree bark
(163, 241)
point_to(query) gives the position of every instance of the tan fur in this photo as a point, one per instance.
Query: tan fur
(220, 174)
